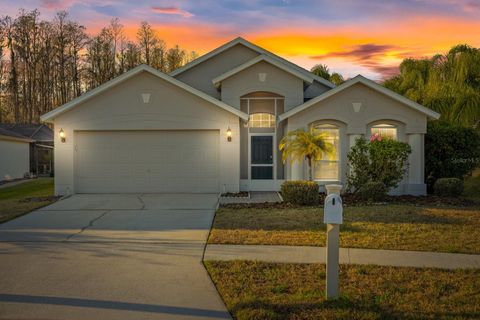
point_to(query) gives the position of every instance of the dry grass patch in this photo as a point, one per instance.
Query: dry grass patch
(255, 290)
(400, 227)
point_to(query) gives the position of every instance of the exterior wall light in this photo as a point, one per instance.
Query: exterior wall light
(262, 76)
(229, 134)
(61, 133)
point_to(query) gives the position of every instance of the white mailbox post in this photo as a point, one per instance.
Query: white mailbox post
(333, 217)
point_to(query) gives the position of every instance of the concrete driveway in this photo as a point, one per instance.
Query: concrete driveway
(110, 257)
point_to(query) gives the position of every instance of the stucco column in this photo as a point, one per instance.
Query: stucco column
(352, 139)
(297, 170)
(415, 180)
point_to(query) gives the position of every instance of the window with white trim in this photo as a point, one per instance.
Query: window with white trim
(262, 120)
(385, 130)
(328, 167)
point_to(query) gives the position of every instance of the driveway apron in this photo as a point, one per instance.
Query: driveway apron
(110, 257)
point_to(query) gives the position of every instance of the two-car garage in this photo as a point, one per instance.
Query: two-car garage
(146, 161)
(117, 141)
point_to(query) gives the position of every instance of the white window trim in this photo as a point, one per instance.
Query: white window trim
(272, 119)
(339, 157)
(385, 126)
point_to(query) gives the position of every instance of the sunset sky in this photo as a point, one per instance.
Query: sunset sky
(369, 37)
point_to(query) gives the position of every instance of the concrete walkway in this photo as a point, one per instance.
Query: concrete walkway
(300, 254)
(14, 183)
(110, 257)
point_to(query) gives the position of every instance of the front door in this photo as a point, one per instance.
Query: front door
(261, 162)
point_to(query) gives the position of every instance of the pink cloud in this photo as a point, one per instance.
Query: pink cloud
(172, 10)
(55, 4)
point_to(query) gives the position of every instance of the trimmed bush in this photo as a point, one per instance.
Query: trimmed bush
(305, 193)
(384, 161)
(450, 151)
(372, 191)
(448, 187)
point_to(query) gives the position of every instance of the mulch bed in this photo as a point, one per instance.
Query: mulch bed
(243, 194)
(351, 200)
(41, 199)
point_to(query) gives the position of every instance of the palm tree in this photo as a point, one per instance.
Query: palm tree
(448, 83)
(310, 145)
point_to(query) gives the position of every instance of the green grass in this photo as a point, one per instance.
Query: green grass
(12, 199)
(399, 227)
(257, 290)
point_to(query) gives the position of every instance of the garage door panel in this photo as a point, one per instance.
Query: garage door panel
(146, 161)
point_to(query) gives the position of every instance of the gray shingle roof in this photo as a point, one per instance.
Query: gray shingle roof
(38, 132)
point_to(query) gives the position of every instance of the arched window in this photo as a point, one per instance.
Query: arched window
(328, 167)
(385, 130)
(262, 120)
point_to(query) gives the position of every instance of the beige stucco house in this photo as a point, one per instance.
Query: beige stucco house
(214, 126)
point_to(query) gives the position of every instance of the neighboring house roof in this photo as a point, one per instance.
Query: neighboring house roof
(307, 78)
(48, 117)
(256, 48)
(13, 136)
(369, 83)
(38, 132)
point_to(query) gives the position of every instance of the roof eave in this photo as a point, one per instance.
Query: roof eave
(369, 83)
(50, 116)
(254, 47)
(18, 139)
(219, 79)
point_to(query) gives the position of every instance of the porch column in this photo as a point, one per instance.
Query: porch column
(353, 138)
(297, 170)
(416, 183)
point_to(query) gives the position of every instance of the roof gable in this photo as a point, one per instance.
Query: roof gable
(217, 81)
(369, 83)
(256, 48)
(50, 116)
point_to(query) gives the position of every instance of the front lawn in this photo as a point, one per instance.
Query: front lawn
(23, 198)
(393, 226)
(256, 290)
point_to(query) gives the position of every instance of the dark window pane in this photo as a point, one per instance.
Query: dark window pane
(262, 150)
(265, 173)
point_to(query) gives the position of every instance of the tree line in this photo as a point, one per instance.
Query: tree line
(44, 64)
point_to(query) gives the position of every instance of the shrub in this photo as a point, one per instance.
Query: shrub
(300, 192)
(448, 187)
(372, 191)
(450, 151)
(382, 161)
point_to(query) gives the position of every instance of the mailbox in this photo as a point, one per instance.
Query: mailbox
(333, 209)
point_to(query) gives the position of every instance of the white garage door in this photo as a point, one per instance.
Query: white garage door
(146, 161)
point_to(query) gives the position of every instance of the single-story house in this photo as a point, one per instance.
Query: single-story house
(14, 155)
(214, 126)
(41, 148)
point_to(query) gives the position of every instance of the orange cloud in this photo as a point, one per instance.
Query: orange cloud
(173, 11)
(373, 48)
(378, 46)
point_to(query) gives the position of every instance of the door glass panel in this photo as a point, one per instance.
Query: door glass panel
(262, 150)
(261, 157)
